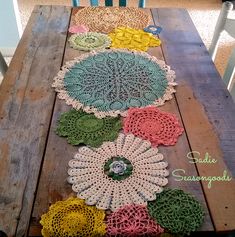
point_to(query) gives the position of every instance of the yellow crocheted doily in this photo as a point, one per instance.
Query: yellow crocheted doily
(125, 37)
(73, 218)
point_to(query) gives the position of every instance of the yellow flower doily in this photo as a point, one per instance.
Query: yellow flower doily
(128, 38)
(73, 218)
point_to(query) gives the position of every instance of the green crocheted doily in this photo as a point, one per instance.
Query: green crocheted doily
(177, 211)
(81, 127)
(89, 41)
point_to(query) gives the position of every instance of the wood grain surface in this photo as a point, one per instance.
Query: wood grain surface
(26, 105)
(206, 108)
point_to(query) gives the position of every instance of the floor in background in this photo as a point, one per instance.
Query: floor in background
(204, 14)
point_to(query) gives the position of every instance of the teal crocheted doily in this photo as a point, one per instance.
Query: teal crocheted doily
(81, 127)
(177, 211)
(108, 82)
(89, 41)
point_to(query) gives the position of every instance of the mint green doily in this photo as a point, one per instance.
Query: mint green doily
(108, 82)
(80, 127)
(89, 41)
(177, 211)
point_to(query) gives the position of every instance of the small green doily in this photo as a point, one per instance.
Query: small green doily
(118, 168)
(177, 211)
(89, 41)
(81, 127)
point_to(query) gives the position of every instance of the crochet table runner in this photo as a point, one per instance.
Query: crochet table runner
(106, 19)
(118, 173)
(81, 127)
(154, 125)
(108, 82)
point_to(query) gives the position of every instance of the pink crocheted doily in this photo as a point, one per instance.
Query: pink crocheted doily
(132, 220)
(78, 29)
(154, 125)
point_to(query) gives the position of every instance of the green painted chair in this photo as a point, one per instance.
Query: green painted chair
(224, 23)
(108, 3)
(3, 65)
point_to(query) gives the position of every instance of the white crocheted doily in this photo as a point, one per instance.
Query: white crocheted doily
(136, 173)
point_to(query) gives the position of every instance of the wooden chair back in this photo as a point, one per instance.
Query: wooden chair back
(224, 23)
(108, 3)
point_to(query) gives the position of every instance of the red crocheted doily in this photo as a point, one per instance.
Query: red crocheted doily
(132, 220)
(154, 125)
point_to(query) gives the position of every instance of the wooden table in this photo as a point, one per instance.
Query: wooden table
(34, 159)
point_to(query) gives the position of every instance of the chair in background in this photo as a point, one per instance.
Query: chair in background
(225, 24)
(108, 3)
(3, 65)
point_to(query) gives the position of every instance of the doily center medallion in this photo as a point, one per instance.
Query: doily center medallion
(109, 82)
(70, 222)
(118, 168)
(151, 127)
(89, 123)
(89, 41)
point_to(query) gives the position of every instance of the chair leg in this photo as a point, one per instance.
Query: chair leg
(75, 3)
(122, 3)
(230, 71)
(142, 3)
(226, 8)
(94, 3)
(108, 3)
(3, 65)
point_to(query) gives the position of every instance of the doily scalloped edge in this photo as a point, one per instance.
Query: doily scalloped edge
(58, 84)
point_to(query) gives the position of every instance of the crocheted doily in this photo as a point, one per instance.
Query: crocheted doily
(145, 173)
(132, 220)
(177, 211)
(125, 37)
(73, 218)
(81, 127)
(78, 29)
(108, 82)
(89, 41)
(154, 125)
(155, 30)
(106, 19)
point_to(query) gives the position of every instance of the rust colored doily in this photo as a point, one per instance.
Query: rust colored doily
(154, 125)
(106, 19)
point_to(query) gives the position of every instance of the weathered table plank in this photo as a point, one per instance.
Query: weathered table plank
(55, 165)
(206, 108)
(26, 104)
(176, 155)
(53, 182)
